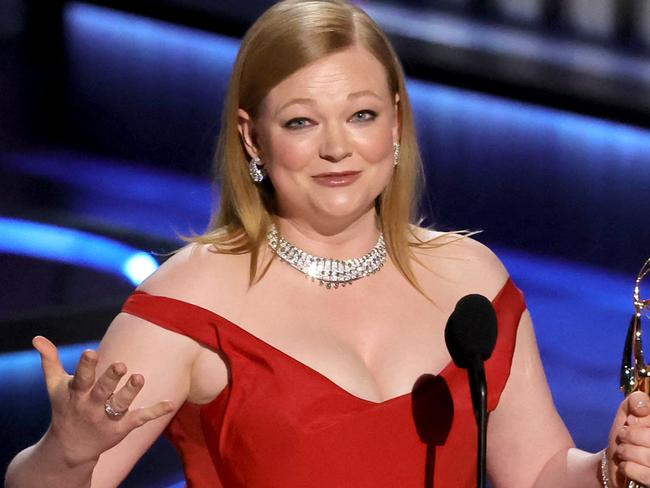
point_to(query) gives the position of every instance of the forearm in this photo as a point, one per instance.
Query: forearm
(571, 469)
(46, 464)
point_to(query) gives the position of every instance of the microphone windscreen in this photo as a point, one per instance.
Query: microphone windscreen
(471, 330)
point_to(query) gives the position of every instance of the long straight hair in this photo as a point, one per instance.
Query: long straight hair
(287, 37)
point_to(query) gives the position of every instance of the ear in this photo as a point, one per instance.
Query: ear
(246, 127)
(396, 121)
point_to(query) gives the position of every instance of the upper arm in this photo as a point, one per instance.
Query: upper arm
(164, 359)
(175, 367)
(524, 431)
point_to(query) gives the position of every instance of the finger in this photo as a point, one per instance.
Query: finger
(142, 415)
(84, 376)
(638, 404)
(50, 362)
(633, 454)
(635, 435)
(637, 421)
(634, 471)
(107, 382)
(125, 395)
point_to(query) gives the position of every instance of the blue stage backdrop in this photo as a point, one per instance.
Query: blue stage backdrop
(563, 198)
(535, 178)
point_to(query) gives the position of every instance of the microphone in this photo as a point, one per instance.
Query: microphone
(471, 335)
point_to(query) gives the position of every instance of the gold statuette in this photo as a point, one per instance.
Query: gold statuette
(635, 373)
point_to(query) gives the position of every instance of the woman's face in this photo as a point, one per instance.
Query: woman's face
(325, 136)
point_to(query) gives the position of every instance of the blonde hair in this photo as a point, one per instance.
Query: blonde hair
(287, 37)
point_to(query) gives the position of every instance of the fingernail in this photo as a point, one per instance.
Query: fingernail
(117, 369)
(641, 404)
(631, 420)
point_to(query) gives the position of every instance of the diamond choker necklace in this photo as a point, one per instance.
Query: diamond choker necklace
(330, 273)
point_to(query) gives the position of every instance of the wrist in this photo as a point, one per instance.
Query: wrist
(46, 464)
(603, 470)
(71, 455)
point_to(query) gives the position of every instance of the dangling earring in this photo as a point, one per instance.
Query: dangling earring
(255, 170)
(396, 150)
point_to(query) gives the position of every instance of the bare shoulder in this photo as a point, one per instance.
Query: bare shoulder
(461, 260)
(129, 336)
(199, 274)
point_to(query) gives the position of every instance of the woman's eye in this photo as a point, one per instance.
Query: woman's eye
(364, 116)
(298, 123)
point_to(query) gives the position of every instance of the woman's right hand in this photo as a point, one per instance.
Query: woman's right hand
(80, 422)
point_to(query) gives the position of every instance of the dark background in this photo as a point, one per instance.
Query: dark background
(533, 117)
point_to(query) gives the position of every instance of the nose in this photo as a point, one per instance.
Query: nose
(334, 146)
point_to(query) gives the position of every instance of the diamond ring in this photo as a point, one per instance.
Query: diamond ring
(110, 411)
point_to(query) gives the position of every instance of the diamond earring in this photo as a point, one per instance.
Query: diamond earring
(255, 170)
(396, 150)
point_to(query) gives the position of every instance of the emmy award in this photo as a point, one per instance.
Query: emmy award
(635, 372)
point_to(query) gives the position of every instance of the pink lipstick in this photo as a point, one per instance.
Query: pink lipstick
(337, 178)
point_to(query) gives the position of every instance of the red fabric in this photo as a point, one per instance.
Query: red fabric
(280, 423)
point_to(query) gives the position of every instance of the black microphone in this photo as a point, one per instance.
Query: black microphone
(470, 335)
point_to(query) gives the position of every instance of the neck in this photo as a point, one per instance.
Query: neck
(332, 240)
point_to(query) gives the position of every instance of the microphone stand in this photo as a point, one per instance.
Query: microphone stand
(478, 388)
(471, 335)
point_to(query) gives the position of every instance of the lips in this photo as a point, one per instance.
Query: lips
(337, 178)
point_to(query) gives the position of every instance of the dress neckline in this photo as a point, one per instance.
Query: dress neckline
(445, 371)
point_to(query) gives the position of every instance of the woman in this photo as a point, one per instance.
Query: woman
(276, 380)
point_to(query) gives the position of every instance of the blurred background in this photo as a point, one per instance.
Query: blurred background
(534, 121)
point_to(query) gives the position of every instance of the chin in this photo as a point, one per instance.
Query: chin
(344, 208)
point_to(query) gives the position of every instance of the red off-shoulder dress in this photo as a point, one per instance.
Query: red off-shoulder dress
(281, 424)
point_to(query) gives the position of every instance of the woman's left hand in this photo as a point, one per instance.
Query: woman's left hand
(629, 442)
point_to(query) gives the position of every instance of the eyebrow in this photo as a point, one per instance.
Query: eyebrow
(311, 101)
(363, 93)
(296, 101)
